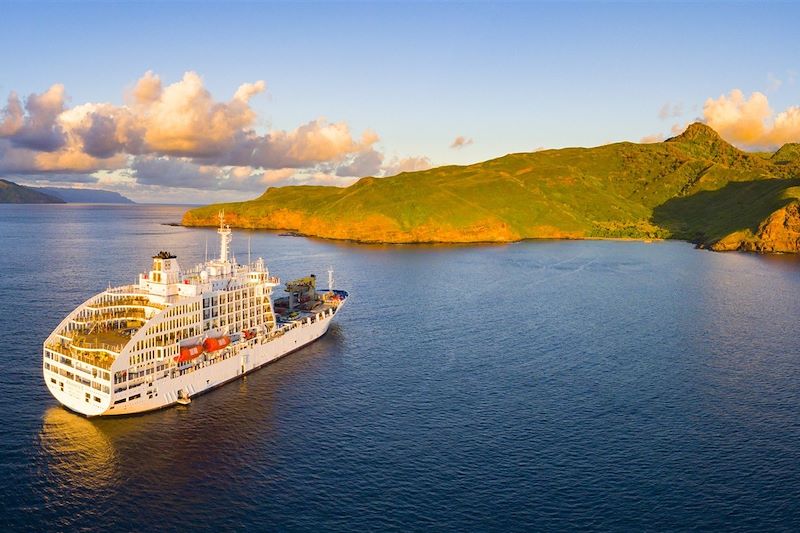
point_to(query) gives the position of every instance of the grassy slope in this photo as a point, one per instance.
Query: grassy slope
(11, 193)
(694, 186)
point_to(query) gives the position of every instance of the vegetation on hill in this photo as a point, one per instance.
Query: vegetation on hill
(694, 186)
(11, 193)
(86, 196)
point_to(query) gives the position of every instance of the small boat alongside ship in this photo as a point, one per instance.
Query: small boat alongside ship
(176, 334)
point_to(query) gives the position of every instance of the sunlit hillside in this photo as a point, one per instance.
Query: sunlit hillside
(694, 186)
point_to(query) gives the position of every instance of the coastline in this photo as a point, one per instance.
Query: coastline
(284, 232)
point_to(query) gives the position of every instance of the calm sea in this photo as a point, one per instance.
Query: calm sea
(529, 386)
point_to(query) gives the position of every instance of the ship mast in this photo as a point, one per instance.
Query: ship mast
(224, 237)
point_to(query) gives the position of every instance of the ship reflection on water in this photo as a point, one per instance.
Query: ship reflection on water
(79, 453)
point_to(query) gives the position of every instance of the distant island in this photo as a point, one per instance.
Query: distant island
(13, 193)
(694, 187)
(86, 196)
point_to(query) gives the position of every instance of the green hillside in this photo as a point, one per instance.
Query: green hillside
(694, 186)
(11, 193)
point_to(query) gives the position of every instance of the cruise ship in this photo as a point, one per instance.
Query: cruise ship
(178, 333)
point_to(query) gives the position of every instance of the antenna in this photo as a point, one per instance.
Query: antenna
(330, 279)
(224, 237)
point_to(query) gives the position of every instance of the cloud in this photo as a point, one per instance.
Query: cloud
(367, 163)
(679, 127)
(174, 172)
(670, 110)
(460, 142)
(649, 139)
(750, 122)
(37, 127)
(50, 179)
(277, 176)
(167, 139)
(176, 134)
(291, 176)
(147, 89)
(676, 129)
(317, 141)
(185, 173)
(15, 160)
(408, 164)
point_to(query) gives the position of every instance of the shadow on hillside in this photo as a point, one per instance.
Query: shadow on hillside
(707, 216)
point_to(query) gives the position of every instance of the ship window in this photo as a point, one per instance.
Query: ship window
(96, 399)
(52, 380)
(121, 400)
(135, 396)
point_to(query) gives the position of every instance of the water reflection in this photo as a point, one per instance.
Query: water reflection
(169, 454)
(554, 385)
(78, 452)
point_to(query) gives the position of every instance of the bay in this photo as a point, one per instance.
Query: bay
(554, 385)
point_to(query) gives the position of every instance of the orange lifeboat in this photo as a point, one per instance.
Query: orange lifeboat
(212, 345)
(189, 352)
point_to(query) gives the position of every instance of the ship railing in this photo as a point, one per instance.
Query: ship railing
(127, 301)
(127, 289)
(103, 315)
(84, 345)
(59, 348)
(94, 359)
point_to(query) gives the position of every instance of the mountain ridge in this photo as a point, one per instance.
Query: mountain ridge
(620, 190)
(13, 193)
(71, 195)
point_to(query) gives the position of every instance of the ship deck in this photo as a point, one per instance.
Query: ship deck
(111, 337)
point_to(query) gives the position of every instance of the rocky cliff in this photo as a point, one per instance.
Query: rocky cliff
(779, 233)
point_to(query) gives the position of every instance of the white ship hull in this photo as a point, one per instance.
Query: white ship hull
(157, 393)
(178, 333)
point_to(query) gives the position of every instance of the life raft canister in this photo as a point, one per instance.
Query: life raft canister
(212, 345)
(189, 352)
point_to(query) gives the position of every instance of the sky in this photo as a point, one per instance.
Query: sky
(203, 102)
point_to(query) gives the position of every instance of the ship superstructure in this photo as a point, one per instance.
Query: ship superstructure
(177, 333)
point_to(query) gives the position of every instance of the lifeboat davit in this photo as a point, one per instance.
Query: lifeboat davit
(212, 344)
(189, 352)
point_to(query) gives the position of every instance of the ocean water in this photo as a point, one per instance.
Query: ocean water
(529, 386)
